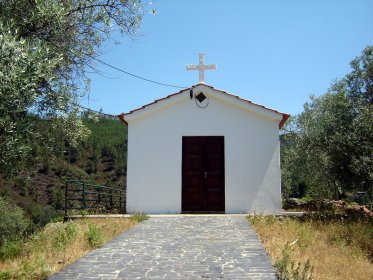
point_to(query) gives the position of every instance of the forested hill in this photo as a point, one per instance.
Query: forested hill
(101, 158)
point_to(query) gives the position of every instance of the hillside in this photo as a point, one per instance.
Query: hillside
(101, 159)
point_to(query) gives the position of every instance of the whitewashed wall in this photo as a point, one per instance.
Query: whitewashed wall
(252, 153)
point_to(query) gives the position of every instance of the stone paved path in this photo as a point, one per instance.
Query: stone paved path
(178, 247)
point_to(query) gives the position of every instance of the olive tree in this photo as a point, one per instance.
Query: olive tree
(46, 48)
(330, 146)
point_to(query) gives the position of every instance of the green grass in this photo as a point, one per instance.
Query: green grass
(139, 217)
(94, 236)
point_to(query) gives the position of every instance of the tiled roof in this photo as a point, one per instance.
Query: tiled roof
(282, 122)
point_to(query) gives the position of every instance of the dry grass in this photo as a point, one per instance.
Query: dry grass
(336, 250)
(60, 244)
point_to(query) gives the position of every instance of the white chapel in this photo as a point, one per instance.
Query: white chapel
(203, 150)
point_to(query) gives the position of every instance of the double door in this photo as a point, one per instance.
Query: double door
(203, 174)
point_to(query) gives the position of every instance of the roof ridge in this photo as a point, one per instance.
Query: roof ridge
(282, 122)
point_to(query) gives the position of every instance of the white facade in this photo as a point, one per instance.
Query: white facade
(252, 151)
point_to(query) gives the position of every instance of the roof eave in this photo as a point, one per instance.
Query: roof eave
(121, 118)
(285, 117)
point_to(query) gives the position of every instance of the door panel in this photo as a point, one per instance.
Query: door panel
(203, 173)
(192, 170)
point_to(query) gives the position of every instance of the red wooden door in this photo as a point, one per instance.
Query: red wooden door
(203, 174)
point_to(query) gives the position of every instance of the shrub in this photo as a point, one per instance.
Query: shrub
(9, 250)
(65, 234)
(288, 270)
(13, 223)
(46, 167)
(41, 215)
(94, 236)
(44, 270)
(57, 198)
(5, 275)
(4, 192)
(22, 184)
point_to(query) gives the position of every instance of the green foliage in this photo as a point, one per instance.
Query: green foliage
(9, 250)
(23, 184)
(94, 236)
(288, 270)
(44, 269)
(45, 47)
(5, 275)
(108, 139)
(139, 217)
(328, 147)
(46, 167)
(360, 81)
(68, 171)
(65, 234)
(13, 224)
(43, 214)
(283, 264)
(57, 198)
(82, 212)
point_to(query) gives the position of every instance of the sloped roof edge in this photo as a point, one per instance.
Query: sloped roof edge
(285, 116)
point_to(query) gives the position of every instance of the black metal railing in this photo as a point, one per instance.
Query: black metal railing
(82, 195)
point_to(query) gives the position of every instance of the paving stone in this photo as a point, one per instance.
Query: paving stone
(178, 247)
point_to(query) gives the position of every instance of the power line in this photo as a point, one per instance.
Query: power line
(133, 75)
(136, 76)
(127, 73)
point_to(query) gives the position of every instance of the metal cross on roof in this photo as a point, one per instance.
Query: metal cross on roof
(201, 67)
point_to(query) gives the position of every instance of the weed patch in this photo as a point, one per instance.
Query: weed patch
(57, 245)
(9, 250)
(139, 217)
(288, 269)
(325, 249)
(94, 236)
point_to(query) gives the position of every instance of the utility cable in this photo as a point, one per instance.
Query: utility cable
(136, 76)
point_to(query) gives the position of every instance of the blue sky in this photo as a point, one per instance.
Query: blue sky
(275, 53)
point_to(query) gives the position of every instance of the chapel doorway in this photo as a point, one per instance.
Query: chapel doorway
(203, 177)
